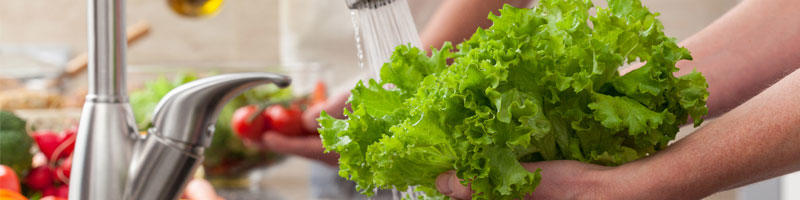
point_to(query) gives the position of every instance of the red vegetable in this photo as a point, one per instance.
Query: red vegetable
(47, 141)
(55, 146)
(62, 191)
(67, 142)
(248, 123)
(56, 191)
(39, 178)
(285, 121)
(8, 179)
(62, 171)
(318, 96)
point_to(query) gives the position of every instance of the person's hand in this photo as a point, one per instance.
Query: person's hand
(200, 189)
(310, 146)
(561, 179)
(333, 107)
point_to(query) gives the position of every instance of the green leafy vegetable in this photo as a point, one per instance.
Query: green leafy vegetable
(539, 84)
(15, 144)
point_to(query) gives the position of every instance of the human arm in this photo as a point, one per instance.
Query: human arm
(745, 51)
(758, 140)
(457, 20)
(741, 54)
(755, 141)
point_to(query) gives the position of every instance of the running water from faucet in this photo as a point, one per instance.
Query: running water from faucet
(380, 26)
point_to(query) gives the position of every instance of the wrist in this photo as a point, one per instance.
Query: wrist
(646, 179)
(630, 181)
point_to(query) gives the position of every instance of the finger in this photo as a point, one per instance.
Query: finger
(333, 107)
(448, 184)
(310, 117)
(252, 144)
(200, 189)
(309, 147)
(292, 145)
(336, 105)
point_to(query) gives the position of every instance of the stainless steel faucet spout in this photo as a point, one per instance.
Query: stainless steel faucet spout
(191, 109)
(183, 125)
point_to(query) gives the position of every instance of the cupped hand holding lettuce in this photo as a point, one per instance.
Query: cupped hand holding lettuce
(539, 84)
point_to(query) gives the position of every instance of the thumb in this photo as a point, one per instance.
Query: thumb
(448, 184)
(200, 189)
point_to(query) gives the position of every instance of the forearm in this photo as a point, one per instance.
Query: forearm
(456, 20)
(755, 141)
(745, 51)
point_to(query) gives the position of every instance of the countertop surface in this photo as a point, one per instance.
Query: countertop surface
(287, 180)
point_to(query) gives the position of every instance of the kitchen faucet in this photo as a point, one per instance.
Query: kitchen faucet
(112, 160)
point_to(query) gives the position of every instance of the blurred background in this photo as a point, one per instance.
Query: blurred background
(310, 40)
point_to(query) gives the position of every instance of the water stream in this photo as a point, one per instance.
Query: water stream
(379, 28)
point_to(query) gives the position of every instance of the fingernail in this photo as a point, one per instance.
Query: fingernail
(443, 183)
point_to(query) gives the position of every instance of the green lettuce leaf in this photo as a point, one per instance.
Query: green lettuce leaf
(539, 84)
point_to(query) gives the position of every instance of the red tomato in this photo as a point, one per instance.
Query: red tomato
(39, 178)
(8, 179)
(52, 198)
(285, 121)
(248, 123)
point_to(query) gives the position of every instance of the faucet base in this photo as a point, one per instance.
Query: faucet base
(162, 171)
(103, 151)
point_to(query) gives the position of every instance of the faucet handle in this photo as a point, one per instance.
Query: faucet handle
(187, 114)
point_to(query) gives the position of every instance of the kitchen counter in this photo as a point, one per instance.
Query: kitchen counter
(285, 181)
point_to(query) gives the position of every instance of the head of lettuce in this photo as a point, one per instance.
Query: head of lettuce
(539, 84)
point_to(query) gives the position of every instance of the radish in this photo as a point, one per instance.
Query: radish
(39, 178)
(47, 141)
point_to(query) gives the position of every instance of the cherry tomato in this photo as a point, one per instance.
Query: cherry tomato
(285, 121)
(39, 178)
(8, 179)
(248, 123)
